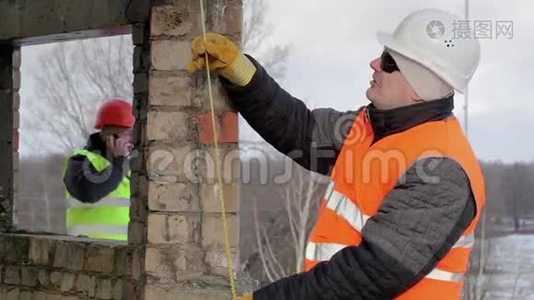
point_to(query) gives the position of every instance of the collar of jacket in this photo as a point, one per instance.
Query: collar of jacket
(387, 122)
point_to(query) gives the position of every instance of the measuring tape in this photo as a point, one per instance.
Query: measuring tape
(229, 258)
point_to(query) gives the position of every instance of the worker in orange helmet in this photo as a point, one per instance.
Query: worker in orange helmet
(97, 179)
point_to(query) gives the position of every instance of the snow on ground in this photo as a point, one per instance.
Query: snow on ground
(510, 267)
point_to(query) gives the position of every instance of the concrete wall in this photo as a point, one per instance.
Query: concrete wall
(175, 248)
(30, 22)
(43, 267)
(9, 106)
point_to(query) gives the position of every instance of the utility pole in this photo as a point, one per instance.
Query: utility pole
(482, 257)
(466, 94)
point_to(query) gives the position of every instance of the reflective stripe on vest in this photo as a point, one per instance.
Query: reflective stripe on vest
(99, 229)
(438, 274)
(325, 251)
(347, 209)
(360, 182)
(322, 251)
(106, 219)
(73, 202)
(466, 241)
(350, 211)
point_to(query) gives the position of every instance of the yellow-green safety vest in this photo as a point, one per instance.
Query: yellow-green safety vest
(106, 219)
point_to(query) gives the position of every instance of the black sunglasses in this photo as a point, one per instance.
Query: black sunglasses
(387, 63)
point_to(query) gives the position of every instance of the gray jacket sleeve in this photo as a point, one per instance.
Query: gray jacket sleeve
(312, 138)
(88, 185)
(416, 225)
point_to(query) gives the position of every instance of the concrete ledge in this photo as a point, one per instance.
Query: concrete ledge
(30, 22)
(63, 266)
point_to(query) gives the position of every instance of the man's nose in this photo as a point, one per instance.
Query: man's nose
(375, 65)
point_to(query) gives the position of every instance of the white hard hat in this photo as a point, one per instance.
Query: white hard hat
(428, 37)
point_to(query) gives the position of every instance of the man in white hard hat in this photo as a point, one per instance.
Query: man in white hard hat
(397, 220)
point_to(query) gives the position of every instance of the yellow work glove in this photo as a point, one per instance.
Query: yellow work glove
(224, 57)
(244, 297)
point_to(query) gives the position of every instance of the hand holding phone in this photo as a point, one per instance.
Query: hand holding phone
(119, 146)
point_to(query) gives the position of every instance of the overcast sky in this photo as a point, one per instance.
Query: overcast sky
(333, 42)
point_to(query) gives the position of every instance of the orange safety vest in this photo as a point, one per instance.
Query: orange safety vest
(365, 173)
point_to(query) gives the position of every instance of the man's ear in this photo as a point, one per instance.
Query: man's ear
(415, 98)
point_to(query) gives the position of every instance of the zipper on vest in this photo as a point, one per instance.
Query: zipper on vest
(368, 126)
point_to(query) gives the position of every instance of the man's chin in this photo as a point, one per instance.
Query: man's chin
(369, 95)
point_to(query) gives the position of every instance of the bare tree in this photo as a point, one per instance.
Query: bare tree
(300, 206)
(256, 34)
(281, 234)
(73, 79)
(257, 41)
(517, 188)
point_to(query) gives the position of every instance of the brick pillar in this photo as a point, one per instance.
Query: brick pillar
(9, 124)
(176, 224)
(137, 229)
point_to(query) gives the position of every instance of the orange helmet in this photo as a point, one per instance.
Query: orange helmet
(115, 112)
